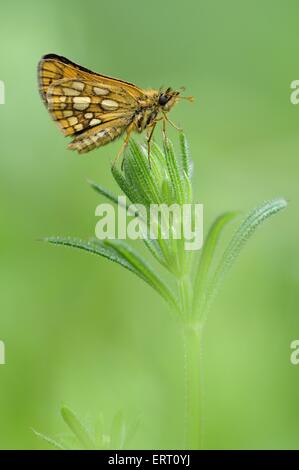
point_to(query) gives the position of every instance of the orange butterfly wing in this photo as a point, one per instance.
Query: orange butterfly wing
(93, 108)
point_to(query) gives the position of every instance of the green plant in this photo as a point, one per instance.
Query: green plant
(195, 277)
(97, 437)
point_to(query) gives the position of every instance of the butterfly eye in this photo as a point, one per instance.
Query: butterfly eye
(163, 99)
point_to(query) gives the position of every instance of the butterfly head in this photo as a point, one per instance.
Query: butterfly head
(169, 97)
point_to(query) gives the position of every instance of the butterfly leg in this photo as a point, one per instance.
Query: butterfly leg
(123, 146)
(164, 128)
(149, 138)
(171, 122)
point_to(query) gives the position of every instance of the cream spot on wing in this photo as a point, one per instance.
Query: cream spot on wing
(81, 99)
(61, 99)
(88, 115)
(101, 134)
(95, 122)
(109, 105)
(81, 106)
(72, 121)
(70, 92)
(78, 86)
(100, 91)
(67, 113)
(94, 138)
(81, 102)
(79, 127)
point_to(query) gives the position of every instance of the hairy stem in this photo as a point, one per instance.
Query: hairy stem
(192, 344)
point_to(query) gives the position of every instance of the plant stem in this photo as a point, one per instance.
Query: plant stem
(184, 294)
(192, 345)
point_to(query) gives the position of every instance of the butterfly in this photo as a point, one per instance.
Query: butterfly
(96, 109)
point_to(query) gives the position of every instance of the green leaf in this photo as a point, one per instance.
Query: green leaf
(122, 183)
(49, 440)
(129, 189)
(77, 428)
(159, 157)
(154, 248)
(167, 191)
(96, 247)
(131, 431)
(207, 257)
(118, 431)
(157, 169)
(104, 192)
(139, 174)
(100, 433)
(187, 188)
(241, 236)
(174, 172)
(122, 254)
(185, 155)
(142, 269)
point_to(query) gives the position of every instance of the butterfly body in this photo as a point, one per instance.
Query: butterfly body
(95, 109)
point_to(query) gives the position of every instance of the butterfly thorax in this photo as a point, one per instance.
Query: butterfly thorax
(153, 103)
(147, 110)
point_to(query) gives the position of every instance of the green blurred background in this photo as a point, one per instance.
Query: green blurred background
(81, 331)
